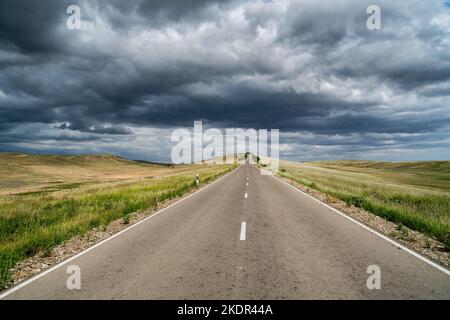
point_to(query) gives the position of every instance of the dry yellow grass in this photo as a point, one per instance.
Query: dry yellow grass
(414, 194)
(53, 198)
(20, 173)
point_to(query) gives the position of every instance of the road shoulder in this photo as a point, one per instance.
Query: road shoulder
(416, 241)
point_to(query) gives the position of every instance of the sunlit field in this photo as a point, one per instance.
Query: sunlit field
(74, 203)
(413, 194)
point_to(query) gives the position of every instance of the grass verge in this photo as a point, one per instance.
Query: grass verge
(396, 195)
(32, 223)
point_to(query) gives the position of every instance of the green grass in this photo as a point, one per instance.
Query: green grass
(416, 195)
(36, 222)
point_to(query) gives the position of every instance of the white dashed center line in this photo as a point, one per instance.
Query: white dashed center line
(243, 227)
(246, 195)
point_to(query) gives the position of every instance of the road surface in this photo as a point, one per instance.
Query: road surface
(246, 236)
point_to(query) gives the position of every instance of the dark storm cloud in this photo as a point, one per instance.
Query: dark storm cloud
(30, 25)
(300, 66)
(101, 129)
(243, 107)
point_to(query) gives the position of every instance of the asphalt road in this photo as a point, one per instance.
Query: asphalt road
(290, 247)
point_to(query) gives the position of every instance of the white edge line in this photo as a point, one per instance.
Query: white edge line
(415, 254)
(40, 275)
(243, 229)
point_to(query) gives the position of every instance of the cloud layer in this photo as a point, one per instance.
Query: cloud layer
(139, 69)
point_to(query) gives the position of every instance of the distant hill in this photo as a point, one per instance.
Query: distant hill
(443, 166)
(429, 174)
(25, 171)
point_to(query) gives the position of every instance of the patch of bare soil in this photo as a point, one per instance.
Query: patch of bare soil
(420, 243)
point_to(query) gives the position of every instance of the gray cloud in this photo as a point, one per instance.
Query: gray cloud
(300, 66)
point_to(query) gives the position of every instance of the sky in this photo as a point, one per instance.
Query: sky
(138, 70)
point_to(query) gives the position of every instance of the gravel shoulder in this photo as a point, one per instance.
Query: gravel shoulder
(423, 244)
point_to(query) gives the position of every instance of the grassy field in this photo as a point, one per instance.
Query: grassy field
(21, 173)
(49, 199)
(413, 194)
